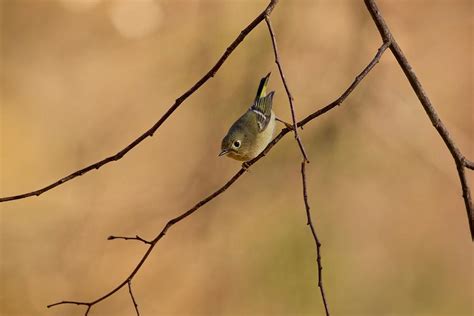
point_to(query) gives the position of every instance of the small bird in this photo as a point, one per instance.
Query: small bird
(253, 131)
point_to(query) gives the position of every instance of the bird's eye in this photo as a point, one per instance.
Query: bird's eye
(237, 144)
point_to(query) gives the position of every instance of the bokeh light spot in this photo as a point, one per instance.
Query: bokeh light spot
(135, 19)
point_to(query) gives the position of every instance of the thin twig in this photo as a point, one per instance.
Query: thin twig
(351, 88)
(303, 163)
(130, 238)
(89, 305)
(201, 203)
(133, 298)
(288, 93)
(315, 237)
(165, 116)
(460, 161)
(158, 238)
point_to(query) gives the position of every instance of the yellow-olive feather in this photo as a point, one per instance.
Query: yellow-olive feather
(262, 87)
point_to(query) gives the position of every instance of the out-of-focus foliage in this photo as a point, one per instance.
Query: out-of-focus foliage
(81, 79)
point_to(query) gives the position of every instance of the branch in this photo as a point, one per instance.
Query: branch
(133, 298)
(459, 159)
(469, 164)
(130, 238)
(351, 88)
(156, 240)
(231, 181)
(288, 93)
(303, 163)
(165, 116)
(89, 305)
(315, 237)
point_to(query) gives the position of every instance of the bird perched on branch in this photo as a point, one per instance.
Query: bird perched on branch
(253, 131)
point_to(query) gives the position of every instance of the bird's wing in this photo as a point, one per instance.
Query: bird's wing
(263, 110)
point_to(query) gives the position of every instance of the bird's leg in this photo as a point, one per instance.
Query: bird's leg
(288, 125)
(246, 166)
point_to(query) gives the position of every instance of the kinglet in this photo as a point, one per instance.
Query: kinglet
(253, 131)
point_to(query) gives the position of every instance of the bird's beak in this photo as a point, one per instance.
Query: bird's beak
(223, 152)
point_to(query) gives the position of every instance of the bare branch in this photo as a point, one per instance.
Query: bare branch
(351, 88)
(89, 305)
(133, 298)
(203, 202)
(165, 116)
(158, 238)
(303, 163)
(388, 42)
(458, 157)
(288, 93)
(469, 164)
(130, 238)
(315, 237)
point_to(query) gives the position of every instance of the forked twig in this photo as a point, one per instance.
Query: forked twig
(201, 203)
(388, 42)
(155, 241)
(165, 116)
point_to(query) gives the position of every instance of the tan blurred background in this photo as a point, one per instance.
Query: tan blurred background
(81, 79)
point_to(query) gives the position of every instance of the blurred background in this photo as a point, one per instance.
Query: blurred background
(80, 79)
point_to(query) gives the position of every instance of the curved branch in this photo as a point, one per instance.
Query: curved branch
(460, 161)
(203, 202)
(165, 116)
(303, 164)
(351, 88)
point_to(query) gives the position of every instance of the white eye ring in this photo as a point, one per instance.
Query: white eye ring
(237, 144)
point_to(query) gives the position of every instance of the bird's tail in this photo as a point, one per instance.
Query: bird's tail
(262, 88)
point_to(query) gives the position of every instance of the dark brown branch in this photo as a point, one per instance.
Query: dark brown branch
(303, 163)
(133, 298)
(201, 203)
(130, 238)
(351, 88)
(89, 305)
(460, 161)
(469, 164)
(165, 116)
(288, 93)
(315, 237)
(158, 238)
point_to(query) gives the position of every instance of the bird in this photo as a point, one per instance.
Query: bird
(253, 131)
